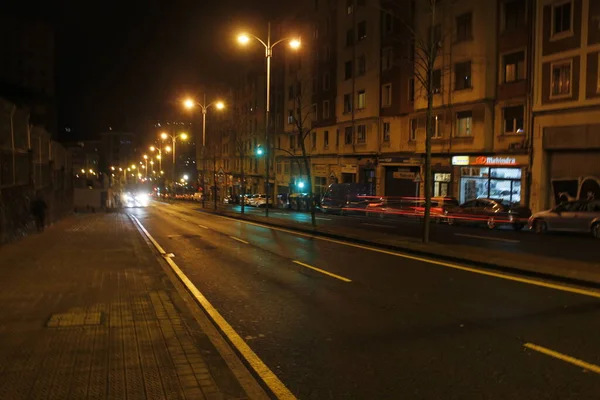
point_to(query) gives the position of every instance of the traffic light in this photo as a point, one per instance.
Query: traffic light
(259, 150)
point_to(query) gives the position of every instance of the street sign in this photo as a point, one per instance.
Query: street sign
(220, 171)
(332, 175)
(417, 178)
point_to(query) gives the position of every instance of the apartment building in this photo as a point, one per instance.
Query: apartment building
(566, 140)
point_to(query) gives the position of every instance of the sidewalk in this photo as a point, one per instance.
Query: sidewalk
(88, 311)
(577, 272)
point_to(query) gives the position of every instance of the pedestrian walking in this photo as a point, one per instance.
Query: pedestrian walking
(38, 209)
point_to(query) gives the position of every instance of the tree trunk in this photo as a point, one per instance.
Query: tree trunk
(243, 197)
(313, 218)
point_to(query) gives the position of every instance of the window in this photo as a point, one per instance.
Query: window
(349, 37)
(514, 67)
(361, 134)
(437, 128)
(436, 81)
(387, 58)
(387, 27)
(514, 14)
(513, 119)
(561, 79)
(326, 81)
(386, 131)
(348, 70)
(290, 117)
(292, 141)
(326, 139)
(362, 65)
(325, 109)
(412, 132)
(386, 95)
(347, 103)
(348, 139)
(362, 30)
(561, 18)
(464, 122)
(462, 73)
(313, 137)
(337, 138)
(300, 141)
(362, 99)
(350, 6)
(314, 114)
(464, 27)
(411, 89)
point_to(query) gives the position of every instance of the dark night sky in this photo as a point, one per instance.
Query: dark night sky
(133, 59)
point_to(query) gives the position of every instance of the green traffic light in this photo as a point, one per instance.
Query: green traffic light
(259, 151)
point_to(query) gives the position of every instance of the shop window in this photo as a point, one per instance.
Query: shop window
(561, 79)
(513, 120)
(462, 75)
(497, 183)
(464, 27)
(562, 18)
(386, 131)
(464, 123)
(514, 67)
(441, 184)
(361, 134)
(386, 95)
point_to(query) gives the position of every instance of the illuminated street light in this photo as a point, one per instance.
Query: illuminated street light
(294, 43)
(185, 177)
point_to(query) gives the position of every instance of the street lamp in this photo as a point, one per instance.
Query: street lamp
(189, 104)
(181, 136)
(294, 44)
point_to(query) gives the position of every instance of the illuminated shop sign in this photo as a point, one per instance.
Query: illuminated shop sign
(483, 160)
(460, 160)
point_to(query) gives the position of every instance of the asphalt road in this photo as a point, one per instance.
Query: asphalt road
(399, 329)
(567, 246)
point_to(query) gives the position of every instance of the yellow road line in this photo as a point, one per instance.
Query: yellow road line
(528, 281)
(269, 378)
(341, 278)
(239, 240)
(564, 357)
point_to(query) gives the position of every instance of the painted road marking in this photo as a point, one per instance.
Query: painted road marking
(325, 219)
(563, 357)
(499, 275)
(239, 240)
(269, 378)
(183, 219)
(202, 226)
(379, 225)
(487, 238)
(341, 278)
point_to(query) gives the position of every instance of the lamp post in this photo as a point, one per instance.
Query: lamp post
(165, 136)
(146, 159)
(159, 156)
(189, 104)
(294, 44)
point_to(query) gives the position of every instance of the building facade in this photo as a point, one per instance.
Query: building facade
(566, 157)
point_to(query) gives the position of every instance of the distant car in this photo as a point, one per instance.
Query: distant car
(491, 212)
(132, 199)
(197, 196)
(572, 216)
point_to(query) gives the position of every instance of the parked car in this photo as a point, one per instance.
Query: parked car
(197, 196)
(572, 216)
(344, 197)
(491, 212)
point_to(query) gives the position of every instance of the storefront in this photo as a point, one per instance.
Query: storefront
(496, 177)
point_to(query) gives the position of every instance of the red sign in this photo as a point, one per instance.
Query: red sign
(483, 160)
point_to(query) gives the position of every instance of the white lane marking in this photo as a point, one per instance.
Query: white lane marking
(325, 219)
(563, 357)
(533, 282)
(379, 225)
(202, 226)
(269, 378)
(341, 278)
(487, 238)
(239, 240)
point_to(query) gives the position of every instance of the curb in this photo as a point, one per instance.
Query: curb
(431, 254)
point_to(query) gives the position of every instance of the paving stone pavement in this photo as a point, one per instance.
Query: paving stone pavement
(87, 312)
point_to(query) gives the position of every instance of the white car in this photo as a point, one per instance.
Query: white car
(131, 199)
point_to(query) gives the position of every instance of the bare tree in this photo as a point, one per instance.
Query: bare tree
(304, 115)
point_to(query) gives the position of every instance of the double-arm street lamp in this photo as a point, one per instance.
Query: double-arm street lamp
(189, 104)
(294, 44)
(174, 137)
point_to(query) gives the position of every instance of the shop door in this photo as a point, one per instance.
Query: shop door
(400, 187)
